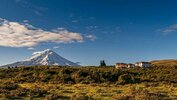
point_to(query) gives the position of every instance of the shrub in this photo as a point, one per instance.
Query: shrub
(126, 79)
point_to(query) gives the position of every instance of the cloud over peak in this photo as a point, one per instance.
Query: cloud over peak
(14, 34)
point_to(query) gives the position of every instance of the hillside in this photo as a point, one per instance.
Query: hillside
(168, 62)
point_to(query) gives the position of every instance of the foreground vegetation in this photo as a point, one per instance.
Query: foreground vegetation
(88, 83)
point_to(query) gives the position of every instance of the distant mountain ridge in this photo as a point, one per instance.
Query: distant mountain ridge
(46, 57)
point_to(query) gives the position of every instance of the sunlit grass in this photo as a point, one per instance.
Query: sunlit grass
(103, 91)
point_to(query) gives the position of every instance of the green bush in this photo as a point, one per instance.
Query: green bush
(126, 79)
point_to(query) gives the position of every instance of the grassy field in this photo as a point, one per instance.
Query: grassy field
(143, 91)
(88, 83)
(109, 91)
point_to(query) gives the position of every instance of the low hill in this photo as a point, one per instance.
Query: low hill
(168, 62)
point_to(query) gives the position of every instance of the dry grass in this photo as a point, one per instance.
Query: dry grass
(141, 91)
(164, 62)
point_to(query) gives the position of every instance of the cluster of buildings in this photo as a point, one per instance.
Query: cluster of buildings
(137, 64)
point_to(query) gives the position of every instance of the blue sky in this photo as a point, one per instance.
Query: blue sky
(88, 31)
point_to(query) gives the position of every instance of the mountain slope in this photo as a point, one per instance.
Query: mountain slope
(167, 62)
(46, 57)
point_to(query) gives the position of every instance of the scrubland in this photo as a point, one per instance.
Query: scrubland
(88, 83)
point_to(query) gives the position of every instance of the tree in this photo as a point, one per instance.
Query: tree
(102, 63)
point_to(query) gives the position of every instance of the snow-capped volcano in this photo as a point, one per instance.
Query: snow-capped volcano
(46, 57)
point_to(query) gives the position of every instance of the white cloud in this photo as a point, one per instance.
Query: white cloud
(170, 29)
(14, 34)
(59, 29)
(25, 21)
(56, 47)
(37, 52)
(31, 48)
(91, 37)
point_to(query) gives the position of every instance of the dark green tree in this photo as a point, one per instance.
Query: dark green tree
(102, 63)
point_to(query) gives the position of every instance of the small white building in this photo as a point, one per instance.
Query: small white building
(143, 64)
(120, 65)
(130, 65)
